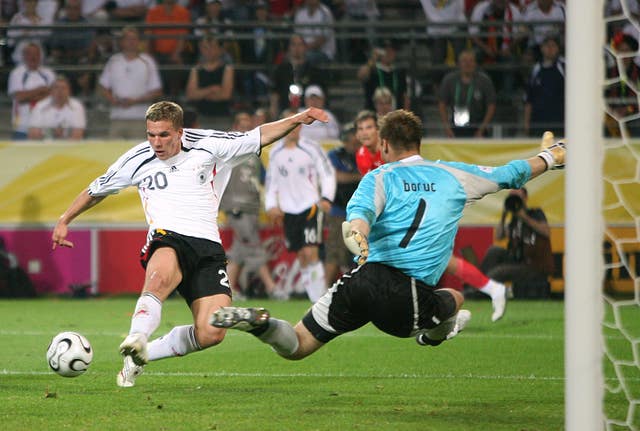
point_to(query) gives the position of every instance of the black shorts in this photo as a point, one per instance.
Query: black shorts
(202, 262)
(303, 229)
(394, 302)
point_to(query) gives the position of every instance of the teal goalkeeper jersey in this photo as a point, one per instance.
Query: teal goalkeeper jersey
(413, 207)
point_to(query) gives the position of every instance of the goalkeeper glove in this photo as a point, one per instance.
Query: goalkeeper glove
(552, 153)
(356, 242)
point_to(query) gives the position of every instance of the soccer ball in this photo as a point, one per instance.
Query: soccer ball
(69, 354)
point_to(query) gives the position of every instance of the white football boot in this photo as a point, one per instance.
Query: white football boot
(130, 371)
(242, 319)
(135, 346)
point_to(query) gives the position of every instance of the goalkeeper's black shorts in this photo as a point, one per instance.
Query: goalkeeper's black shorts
(395, 303)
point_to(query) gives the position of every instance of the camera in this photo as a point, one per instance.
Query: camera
(513, 203)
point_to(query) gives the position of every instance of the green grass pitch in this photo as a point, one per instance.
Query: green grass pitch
(494, 376)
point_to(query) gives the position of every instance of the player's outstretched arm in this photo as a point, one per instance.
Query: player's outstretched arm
(271, 132)
(80, 204)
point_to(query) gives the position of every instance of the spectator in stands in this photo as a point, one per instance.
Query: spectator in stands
(467, 101)
(440, 17)
(319, 131)
(75, 46)
(343, 158)
(296, 71)
(59, 116)
(544, 102)
(494, 31)
(550, 11)
(527, 261)
(354, 49)
(29, 83)
(17, 39)
(383, 101)
(314, 21)
(130, 11)
(259, 52)
(210, 84)
(260, 116)
(381, 71)
(170, 46)
(241, 203)
(216, 22)
(129, 81)
(300, 187)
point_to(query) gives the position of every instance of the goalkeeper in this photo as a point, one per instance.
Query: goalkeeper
(401, 223)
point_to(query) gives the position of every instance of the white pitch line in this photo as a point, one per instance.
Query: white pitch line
(530, 377)
(307, 375)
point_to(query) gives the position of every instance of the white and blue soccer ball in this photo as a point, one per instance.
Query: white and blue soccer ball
(69, 354)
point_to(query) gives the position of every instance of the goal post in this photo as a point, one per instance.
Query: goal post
(584, 270)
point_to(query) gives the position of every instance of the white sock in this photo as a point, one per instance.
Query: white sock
(314, 281)
(281, 337)
(180, 341)
(146, 317)
(490, 288)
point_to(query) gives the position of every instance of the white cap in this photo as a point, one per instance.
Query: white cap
(313, 90)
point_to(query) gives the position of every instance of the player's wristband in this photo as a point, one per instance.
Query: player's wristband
(548, 159)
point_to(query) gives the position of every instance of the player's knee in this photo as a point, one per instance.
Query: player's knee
(209, 336)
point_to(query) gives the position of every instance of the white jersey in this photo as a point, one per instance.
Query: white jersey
(130, 78)
(71, 115)
(298, 177)
(22, 78)
(181, 194)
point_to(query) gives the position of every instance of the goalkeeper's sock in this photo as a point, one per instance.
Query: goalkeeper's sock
(470, 274)
(280, 335)
(146, 317)
(314, 281)
(180, 341)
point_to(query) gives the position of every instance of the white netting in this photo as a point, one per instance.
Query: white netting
(621, 209)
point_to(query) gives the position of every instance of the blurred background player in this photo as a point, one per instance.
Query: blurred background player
(368, 156)
(337, 257)
(299, 190)
(368, 160)
(241, 203)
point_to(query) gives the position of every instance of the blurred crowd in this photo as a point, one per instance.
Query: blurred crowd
(219, 57)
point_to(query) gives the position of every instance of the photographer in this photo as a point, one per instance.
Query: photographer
(527, 261)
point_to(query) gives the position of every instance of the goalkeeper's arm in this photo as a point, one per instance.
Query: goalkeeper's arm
(354, 234)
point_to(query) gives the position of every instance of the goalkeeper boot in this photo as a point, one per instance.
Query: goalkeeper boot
(498, 300)
(242, 319)
(135, 346)
(130, 371)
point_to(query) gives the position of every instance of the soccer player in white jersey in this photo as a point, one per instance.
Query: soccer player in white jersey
(401, 222)
(299, 189)
(180, 176)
